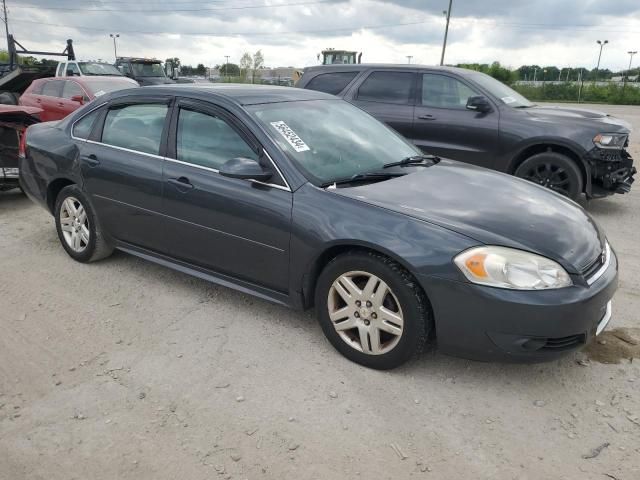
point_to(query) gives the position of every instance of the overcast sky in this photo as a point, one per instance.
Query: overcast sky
(293, 32)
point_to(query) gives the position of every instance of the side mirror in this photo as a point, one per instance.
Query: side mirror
(479, 104)
(245, 169)
(78, 98)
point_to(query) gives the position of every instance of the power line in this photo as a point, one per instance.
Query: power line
(170, 10)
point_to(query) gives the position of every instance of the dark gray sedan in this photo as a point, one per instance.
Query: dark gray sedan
(302, 199)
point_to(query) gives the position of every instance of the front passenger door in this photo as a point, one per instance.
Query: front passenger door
(236, 227)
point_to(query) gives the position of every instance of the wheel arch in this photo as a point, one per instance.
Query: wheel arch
(571, 151)
(53, 190)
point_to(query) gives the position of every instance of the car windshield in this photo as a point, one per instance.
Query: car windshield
(94, 68)
(507, 95)
(100, 87)
(331, 139)
(147, 70)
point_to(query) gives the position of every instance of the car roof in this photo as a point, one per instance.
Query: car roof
(385, 66)
(242, 94)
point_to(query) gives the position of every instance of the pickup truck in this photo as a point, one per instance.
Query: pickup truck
(73, 68)
(145, 71)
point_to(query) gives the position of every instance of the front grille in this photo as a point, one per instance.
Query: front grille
(595, 266)
(564, 343)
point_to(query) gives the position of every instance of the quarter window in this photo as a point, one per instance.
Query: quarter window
(208, 141)
(387, 87)
(332, 83)
(136, 127)
(82, 128)
(71, 89)
(53, 88)
(444, 92)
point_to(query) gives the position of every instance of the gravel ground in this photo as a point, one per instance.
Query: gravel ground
(125, 369)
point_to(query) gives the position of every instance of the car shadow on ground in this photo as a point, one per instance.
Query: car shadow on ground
(14, 199)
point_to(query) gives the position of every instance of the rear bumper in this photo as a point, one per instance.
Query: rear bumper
(493, 324)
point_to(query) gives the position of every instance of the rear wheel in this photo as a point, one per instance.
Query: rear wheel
(554, 171)
(78, 227)
(371, 310)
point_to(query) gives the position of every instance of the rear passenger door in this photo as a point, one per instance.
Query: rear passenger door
(389, 96)
(444, 126)
(236, 227)
(121, 165)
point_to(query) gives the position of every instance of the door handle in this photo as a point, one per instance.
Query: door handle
(60, 104)
(38, 100)
(426, 116)
(90, 160)
(181, 183)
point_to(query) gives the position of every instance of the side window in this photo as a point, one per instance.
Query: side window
(61, 70)
(136, 127)
(71, 89)
(72, 69)
(82, 128)
(53, 88)
(387, 87)
(208, 141)
(36, 88)
(444, 92)
(332, 83)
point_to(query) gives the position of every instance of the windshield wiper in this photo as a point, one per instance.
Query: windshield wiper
(362, 177)
(415, 160)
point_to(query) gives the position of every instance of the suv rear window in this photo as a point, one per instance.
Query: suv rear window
(387, 87)
(332, 83)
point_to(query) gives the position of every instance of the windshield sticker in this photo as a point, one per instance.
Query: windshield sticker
(508, 100)
(290, 136)
(99, 93)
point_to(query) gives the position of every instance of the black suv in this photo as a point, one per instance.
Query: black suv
(469, 116)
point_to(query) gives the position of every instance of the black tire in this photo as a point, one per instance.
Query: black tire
(410, 297)
(97, 247)
(554, 171)
(8, 98)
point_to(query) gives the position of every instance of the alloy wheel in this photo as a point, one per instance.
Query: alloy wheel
(551, 176)
(74, 224)
(365, 312)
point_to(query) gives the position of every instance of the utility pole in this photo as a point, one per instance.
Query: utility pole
(409, 57)
(535, 73)
(226, 67)
(631, 54)
(602, 44)
(6, 22)
(446, 33)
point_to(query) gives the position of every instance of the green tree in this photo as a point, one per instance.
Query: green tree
(201, 69)
(245, 64)
(229, 70)
(258, 62)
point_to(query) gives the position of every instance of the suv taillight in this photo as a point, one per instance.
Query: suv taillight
(22, 146)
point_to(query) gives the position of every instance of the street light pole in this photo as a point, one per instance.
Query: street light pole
(409, 57)
(226, 67)
(631, 54)
(446, 33)
(602, 44)
(115, 49)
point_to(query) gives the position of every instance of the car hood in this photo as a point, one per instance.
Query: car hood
(572, 115)
(492, 208)
(154, 81)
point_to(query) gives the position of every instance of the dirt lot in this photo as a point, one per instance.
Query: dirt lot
(124, 369)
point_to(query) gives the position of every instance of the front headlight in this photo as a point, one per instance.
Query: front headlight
(510, 268)
(610, 140)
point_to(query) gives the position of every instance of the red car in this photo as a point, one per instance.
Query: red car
(58, 97)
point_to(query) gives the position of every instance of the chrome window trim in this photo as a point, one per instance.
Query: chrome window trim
(126, 149)
(73, 125)
(607, 262)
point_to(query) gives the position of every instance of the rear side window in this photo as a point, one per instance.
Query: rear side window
(387, 87)
(36, 88)
(332, 83)
(82, 128)
(71, 89)
(53, 88)
(136, 127)
(208, 141)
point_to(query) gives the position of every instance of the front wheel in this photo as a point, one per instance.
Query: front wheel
(554, 171)
(78, 227)
(372, 310)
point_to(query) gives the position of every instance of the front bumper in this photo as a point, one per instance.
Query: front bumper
(493, 324)
(612, 171)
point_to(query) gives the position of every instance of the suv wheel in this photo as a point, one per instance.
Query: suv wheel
(371, 310)
(78, 227)
(553, 170)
